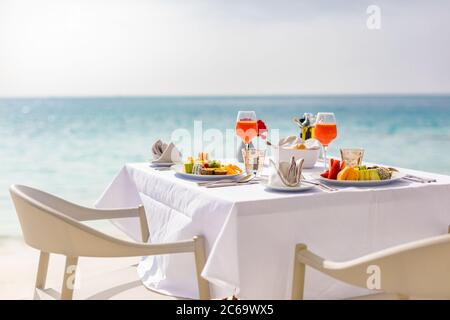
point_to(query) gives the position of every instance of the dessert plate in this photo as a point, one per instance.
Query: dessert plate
(161, 164)
(300, 188)
(179, 171)
(360, 183)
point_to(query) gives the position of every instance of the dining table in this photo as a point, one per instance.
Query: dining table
(251, 231)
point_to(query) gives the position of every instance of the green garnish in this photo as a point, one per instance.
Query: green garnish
(214, 164)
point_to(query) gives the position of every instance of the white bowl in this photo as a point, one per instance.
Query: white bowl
(309, 155)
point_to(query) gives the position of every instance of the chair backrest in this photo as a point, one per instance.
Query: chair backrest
(420, 268)
(46, 227)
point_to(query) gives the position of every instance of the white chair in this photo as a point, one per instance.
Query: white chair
(51, 225)
(418, 269)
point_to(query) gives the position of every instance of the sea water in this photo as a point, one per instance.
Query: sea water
(73, 147)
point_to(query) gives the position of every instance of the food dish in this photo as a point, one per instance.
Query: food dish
(341, 174)
(180, 171)
(205, 169)
(360, 183)
(203, 166)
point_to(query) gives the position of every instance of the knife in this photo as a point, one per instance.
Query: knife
(230, 184)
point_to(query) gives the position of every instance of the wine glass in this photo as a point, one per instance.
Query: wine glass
(325, 131)
(246, 126)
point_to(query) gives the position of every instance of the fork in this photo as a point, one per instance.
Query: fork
(321, 185)
(424, 180)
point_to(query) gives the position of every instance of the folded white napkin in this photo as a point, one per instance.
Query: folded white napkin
(289, 140)
(286, 174)
(165, 153)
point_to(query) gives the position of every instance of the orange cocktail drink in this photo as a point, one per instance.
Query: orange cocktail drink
(325, 132)
(246, 130)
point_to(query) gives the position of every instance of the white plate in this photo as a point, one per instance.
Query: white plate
(161, 164)
(301, 188)
(179, 169)
(360, 183)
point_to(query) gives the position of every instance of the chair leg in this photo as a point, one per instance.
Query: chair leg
(69, 278)
(41, 276)
(298, 281)
(200, 260)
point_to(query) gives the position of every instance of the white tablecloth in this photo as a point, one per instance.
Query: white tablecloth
(251, 232)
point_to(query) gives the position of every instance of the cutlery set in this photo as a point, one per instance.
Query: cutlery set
(320, 185)
(413, 178)
(248, 179)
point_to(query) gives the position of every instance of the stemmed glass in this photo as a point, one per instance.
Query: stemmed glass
(325, 131)
(246, 126)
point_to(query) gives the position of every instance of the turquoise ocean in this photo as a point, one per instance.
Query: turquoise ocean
(73, 147)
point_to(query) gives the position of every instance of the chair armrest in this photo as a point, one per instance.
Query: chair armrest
(89, 214)
(114, 247)
(303, 255)
(82, 213)
(195, 246)
(137, 249)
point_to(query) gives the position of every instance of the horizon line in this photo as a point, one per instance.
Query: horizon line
(115, 96)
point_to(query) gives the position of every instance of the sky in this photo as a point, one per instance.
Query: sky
(228, 47)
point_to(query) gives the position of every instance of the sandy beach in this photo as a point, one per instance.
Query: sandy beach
(100, 278)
